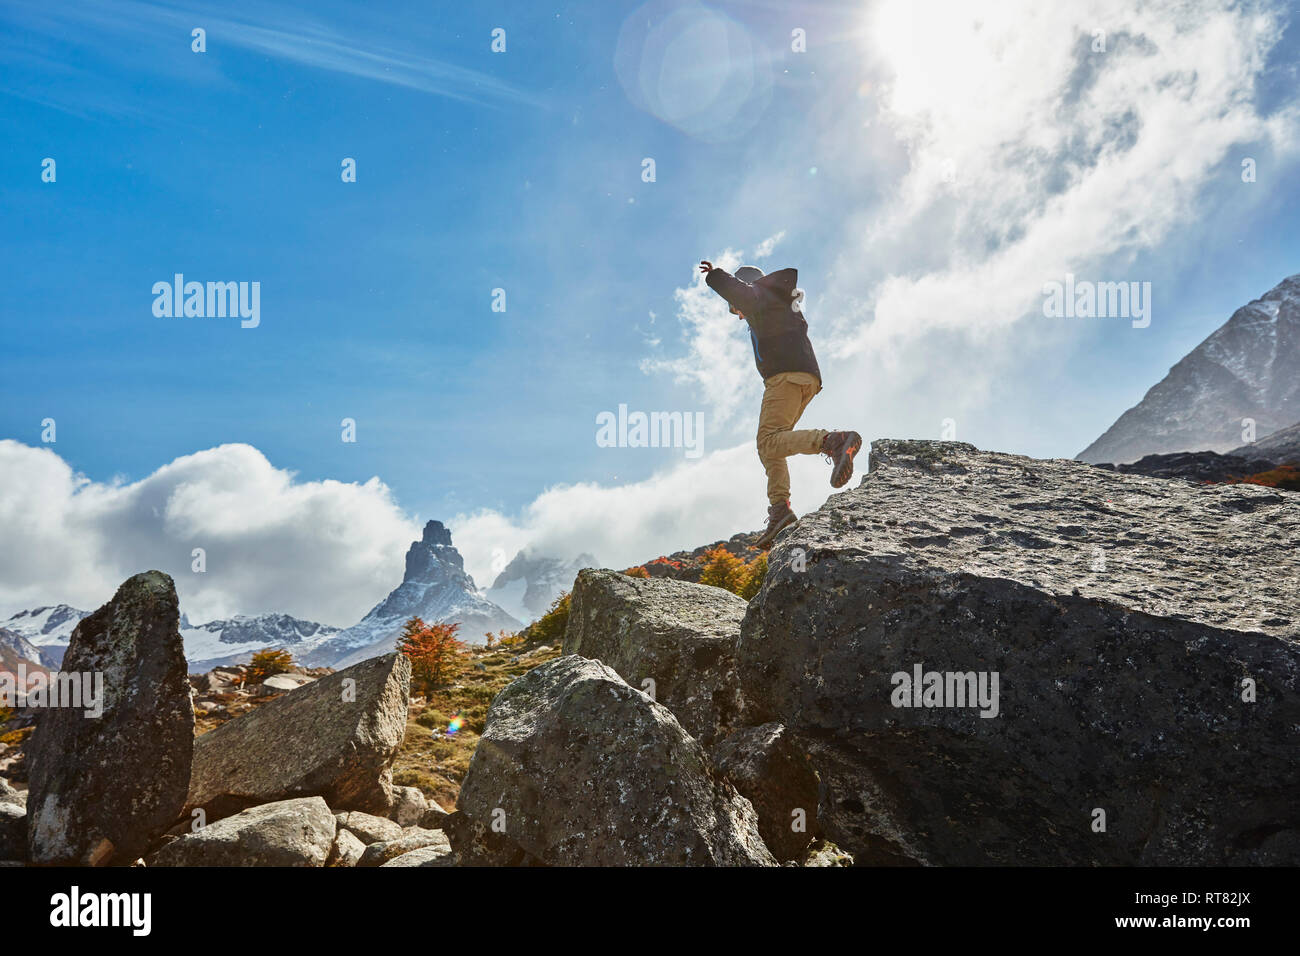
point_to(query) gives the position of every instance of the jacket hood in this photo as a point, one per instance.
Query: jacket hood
(783, 280)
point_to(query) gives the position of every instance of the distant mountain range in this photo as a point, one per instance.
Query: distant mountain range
(435, 587)
(1249, 368)
(46, 629)
(13, 644)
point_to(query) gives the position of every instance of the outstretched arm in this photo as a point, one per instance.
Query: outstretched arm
(740, 295)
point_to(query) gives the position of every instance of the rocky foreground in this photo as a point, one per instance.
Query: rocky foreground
(971, 658)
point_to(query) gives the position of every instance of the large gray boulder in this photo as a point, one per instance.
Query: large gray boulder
(102, 788)
(1125, 618)
(576, 768)
(335, 738)
(678, 634)
(773, 773)
(285, 833)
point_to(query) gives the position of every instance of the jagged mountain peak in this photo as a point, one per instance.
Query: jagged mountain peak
(436, 534)
(434, 556)
(435, 587)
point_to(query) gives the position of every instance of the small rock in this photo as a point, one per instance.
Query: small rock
(281, 683)
(378, 854)
(347, 849)
(286, 833)
(438, 855)
(408, 806)
(370, 828)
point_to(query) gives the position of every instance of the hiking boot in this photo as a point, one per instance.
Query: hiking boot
(840, 447)
(779, 517)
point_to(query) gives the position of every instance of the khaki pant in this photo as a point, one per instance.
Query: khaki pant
(785, 396)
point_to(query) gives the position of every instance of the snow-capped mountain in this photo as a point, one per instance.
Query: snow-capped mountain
(14, 644)
(435, 587)
(530, 582)
(1282, 446)
(1248, 368)
(233, 641)
(48, 628)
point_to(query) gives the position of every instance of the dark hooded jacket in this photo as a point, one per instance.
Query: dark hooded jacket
(778, 330)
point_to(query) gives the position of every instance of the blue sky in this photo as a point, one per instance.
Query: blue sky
(523, 170)
(376, 296)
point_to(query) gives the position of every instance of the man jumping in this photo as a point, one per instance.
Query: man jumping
(791, 378)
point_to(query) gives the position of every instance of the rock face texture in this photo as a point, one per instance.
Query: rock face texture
(334, 738)
(284, 833)
(773, 773)
(681, 636)
(1248, 368)
(435, 587)
(577, 768)
(102, 788)
(1125, 618)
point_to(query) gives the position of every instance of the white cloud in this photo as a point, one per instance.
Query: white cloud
(1062, 159)
(322, 550)
(719, 360)
(1059, 158)
(685, 505)
(765, 248)
(325, 550)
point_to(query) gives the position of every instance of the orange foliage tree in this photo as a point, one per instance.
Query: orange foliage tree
(267, 664)
(435, 652)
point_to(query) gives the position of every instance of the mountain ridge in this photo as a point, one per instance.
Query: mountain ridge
(1248, 368)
